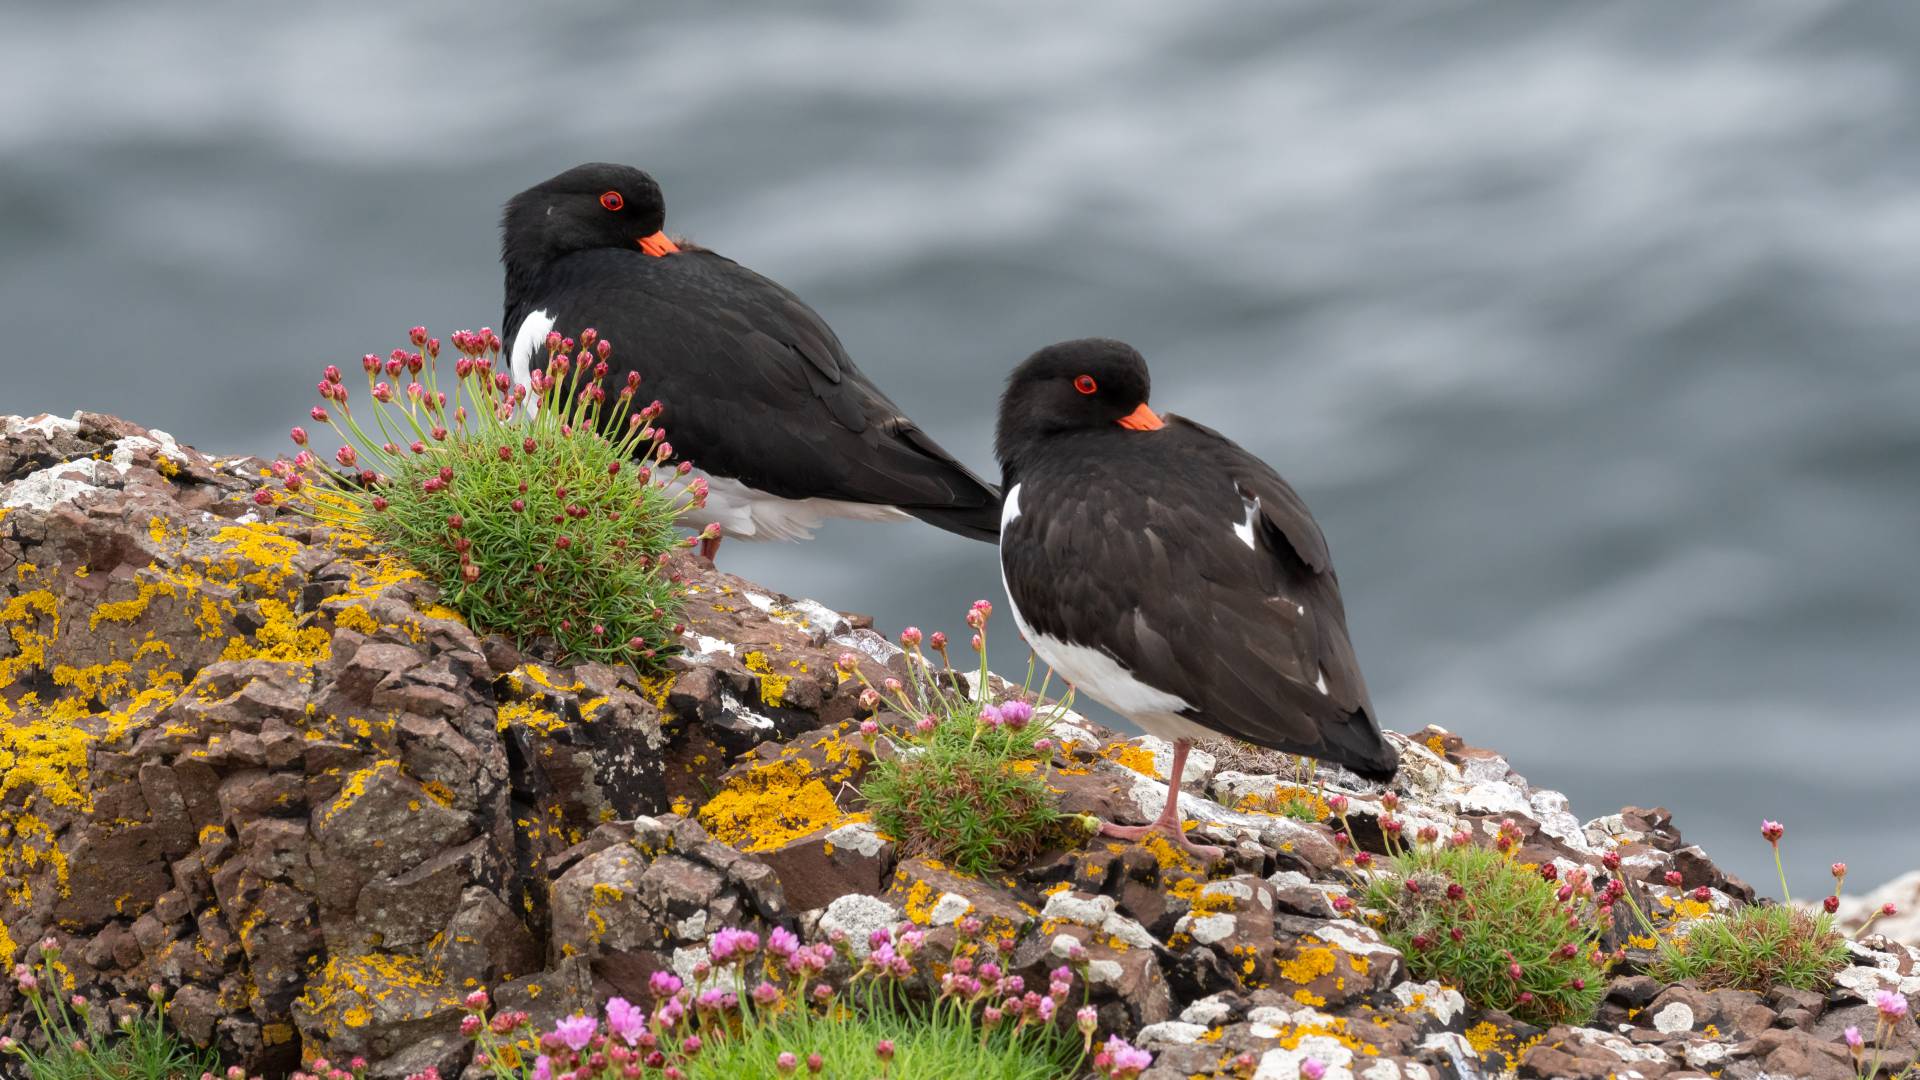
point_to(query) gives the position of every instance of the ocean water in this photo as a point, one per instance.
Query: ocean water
(1589, 333)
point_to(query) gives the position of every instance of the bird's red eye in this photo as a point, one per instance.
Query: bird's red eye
(1085, 384)
(612, 200)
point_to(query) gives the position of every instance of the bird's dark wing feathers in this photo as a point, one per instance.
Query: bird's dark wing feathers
(700, 327)
(1173, 592)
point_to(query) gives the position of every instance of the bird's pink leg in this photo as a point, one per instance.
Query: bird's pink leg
(710, 548)
(1169, 820)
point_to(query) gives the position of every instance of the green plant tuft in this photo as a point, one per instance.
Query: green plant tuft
(929, 1044)
(1502, 914)
(962, 803)
(969, 785)
(554, 529)
(81, 1046)
(1755, 948)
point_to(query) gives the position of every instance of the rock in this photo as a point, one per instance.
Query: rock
(855, 918)
(1586, 1054)
(1798, 1053)
(935, 897)
(831, 862)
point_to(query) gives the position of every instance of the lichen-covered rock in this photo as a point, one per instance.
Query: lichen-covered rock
(255, 762)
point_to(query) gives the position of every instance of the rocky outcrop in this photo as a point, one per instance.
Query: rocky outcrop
(254, 762)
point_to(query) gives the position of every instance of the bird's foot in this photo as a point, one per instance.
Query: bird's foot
(709, 548)
(1172, 830)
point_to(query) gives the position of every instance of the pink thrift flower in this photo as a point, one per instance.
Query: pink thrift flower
(1016, 715)
(1311, 1069)
(1854, 1041)
(576, 1030)
(625, 1020)
(1892, 1005)
(1772, 830)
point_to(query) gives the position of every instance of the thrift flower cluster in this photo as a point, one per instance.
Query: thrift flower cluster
(804, 998)
(78, 1041)
(541, 510)
(1522, 939)
(970, 784)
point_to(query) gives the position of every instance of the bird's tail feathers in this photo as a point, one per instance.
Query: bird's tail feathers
(1358, 745)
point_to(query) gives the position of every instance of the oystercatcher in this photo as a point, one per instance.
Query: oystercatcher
(757, 391)
(1176, 578)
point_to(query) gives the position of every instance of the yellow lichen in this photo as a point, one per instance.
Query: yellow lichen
(1484, 1037)
(281, 638)
(356, 618)
(528, 715)
(1308, 965)
(1286, 800)
(1132, 756)
(347, 989)
(769, 805)
(773, 687)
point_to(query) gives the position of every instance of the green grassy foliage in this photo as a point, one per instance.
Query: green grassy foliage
(1501, 915)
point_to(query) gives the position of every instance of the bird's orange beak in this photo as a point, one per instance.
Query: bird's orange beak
(1141, 419)
(658, 245)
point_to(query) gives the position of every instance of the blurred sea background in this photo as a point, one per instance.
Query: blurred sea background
(1588, 332)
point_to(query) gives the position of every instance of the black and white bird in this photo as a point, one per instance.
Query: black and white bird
(757, 391)
(1174, 577)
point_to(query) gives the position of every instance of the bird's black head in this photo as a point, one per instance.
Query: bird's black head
(589, 206)
(1094, 384)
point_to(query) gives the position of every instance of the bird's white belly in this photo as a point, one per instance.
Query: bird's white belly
(1093, 672)
(744, 513)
